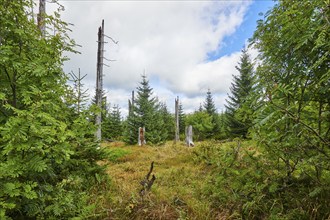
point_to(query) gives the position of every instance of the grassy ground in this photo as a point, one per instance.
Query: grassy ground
(229, 180)
(176, 192)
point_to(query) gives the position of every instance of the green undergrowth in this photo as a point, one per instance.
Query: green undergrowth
(213, 180)
(175, 192)
(252, 185)
(116, 153)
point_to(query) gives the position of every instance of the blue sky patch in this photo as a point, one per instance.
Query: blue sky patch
(236, 41)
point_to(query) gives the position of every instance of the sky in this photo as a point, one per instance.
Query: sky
(184, 47)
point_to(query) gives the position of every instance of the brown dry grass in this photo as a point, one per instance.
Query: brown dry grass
(175, 193)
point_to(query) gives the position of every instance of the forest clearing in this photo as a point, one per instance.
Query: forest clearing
(210, 131)
(177, 190)
(213, 180)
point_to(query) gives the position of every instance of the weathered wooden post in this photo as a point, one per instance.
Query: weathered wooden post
(177, 129)
(142, 140)
(189, 136)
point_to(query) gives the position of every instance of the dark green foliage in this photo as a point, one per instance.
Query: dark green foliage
(117, 153)
(147, 112)
(206, 122)
(221, 128)
(202, 124)
(130, 134)
(209, 105)
(246, 182)
(211, 110)
(293, 119)
(105, 108)
(169, 122)
(239, 107)
(79, 94)
(288, 175)
(112, 126)
(182, 119)
(47, 154)
(130, 129)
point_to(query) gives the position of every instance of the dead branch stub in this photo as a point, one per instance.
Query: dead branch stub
(147, 182)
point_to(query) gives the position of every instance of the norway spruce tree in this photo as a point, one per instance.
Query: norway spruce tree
(112, 127)
(169, 122)
(182, 119)
(145, 112)
(79, 93)
(239, 109)
(208, 104)
(47, 156)
(211, 110)
(130, 134)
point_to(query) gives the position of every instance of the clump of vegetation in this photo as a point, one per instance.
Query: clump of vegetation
(117, 153)
(174, 193)
(249, 183)
(48, 157)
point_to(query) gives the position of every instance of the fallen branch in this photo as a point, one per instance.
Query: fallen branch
(147, 182)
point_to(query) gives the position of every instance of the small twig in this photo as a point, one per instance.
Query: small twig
(115, 42)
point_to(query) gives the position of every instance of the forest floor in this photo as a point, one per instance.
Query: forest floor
(176, 192)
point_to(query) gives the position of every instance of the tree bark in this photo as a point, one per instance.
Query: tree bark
(177, 128)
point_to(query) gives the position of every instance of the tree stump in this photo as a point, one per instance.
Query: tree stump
(141, 140)
(189, 136)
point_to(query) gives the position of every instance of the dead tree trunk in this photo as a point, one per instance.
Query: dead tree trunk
(41, 17)
(189, 136)
(99, 80)
(177, 128)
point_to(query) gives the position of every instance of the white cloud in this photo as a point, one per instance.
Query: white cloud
(214, 75)
(170, 40)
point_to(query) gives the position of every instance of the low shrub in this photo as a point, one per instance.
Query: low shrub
(252, 185)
